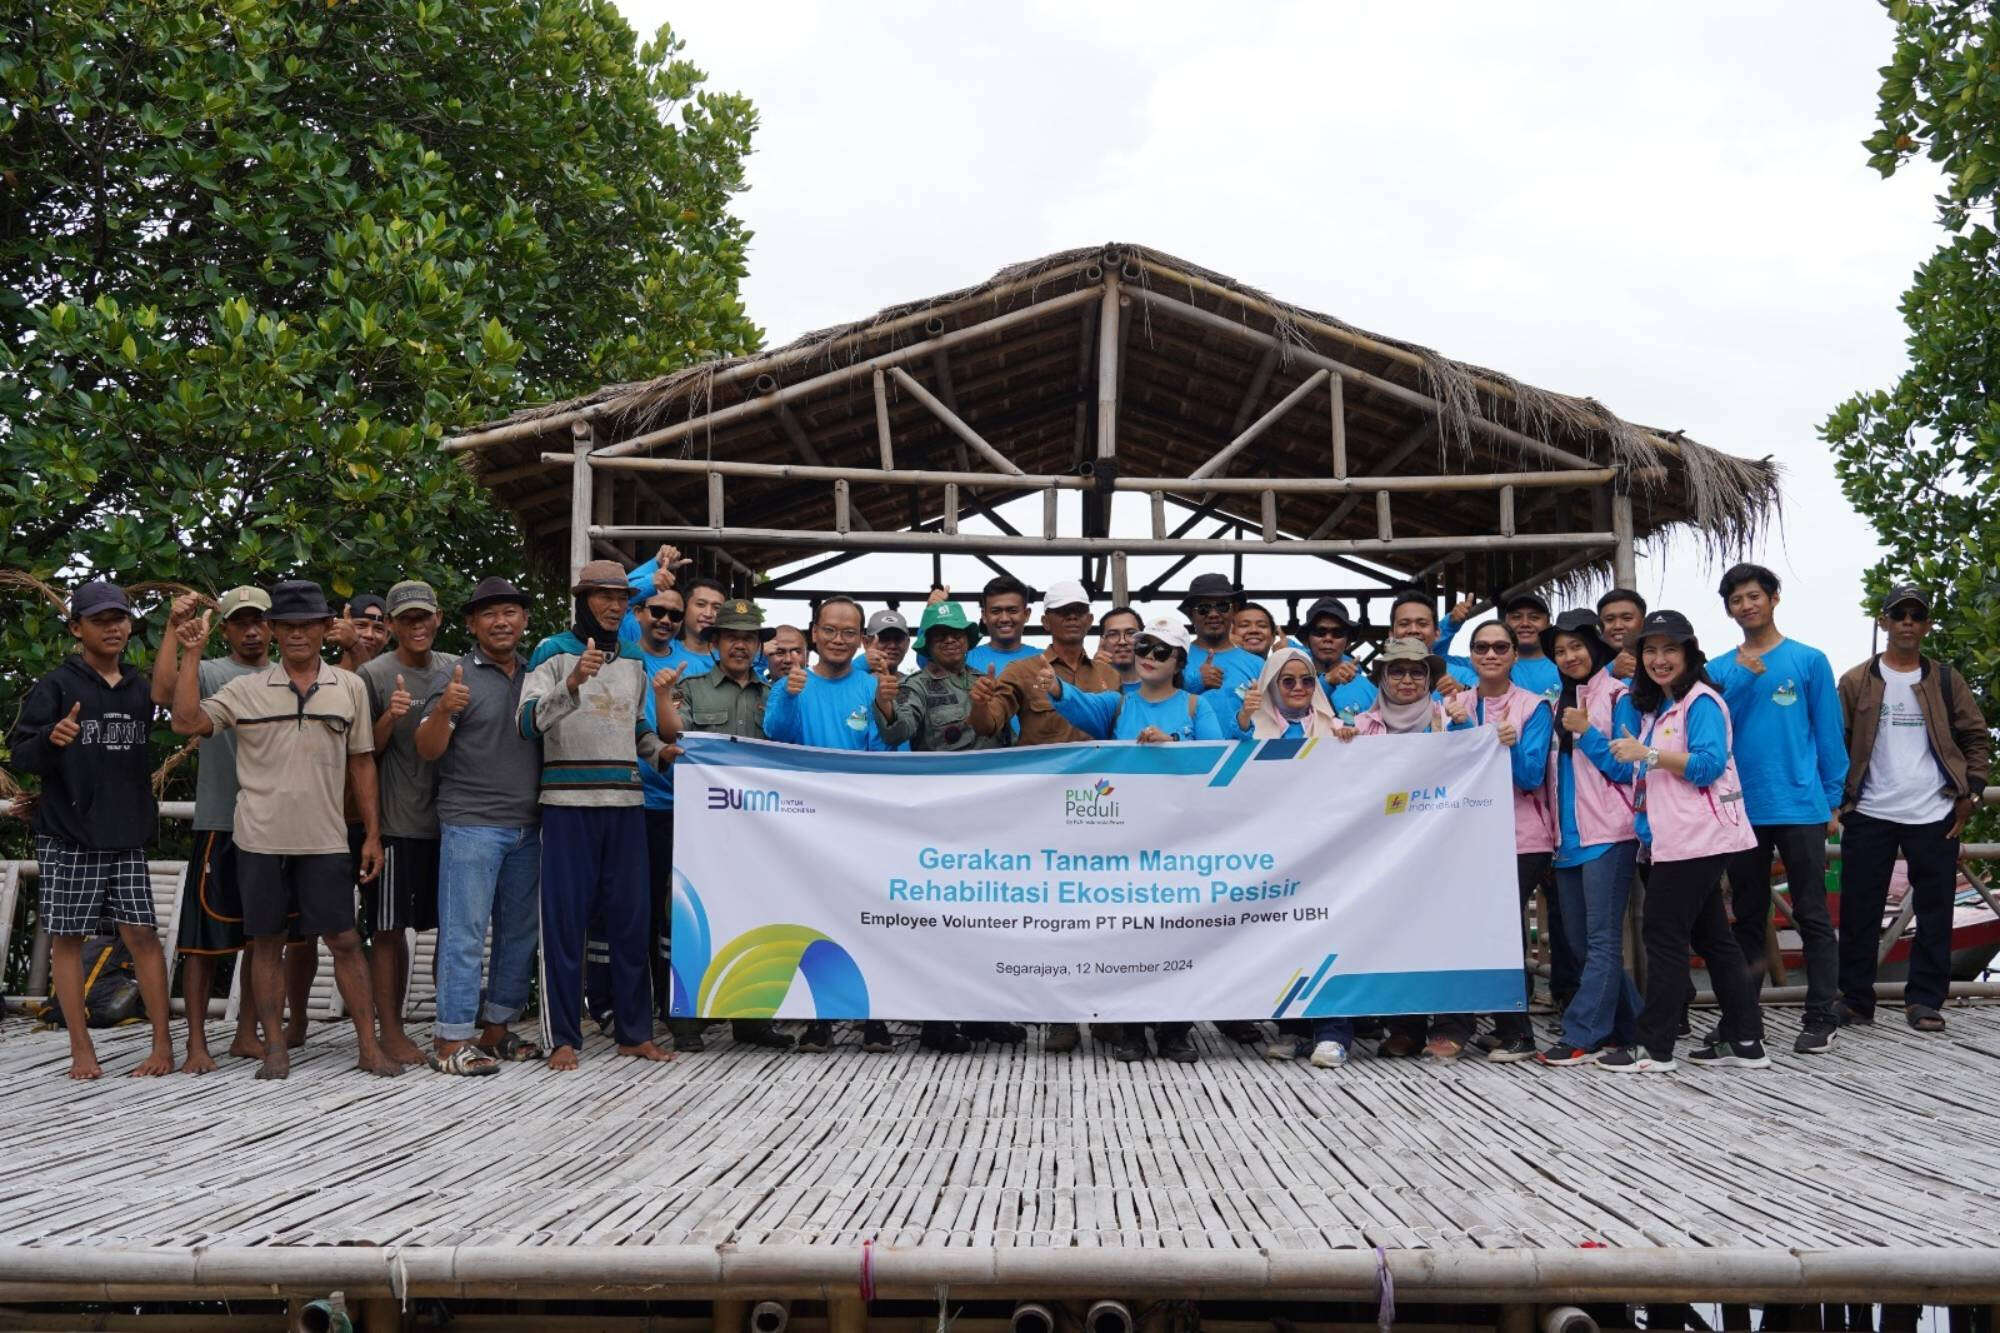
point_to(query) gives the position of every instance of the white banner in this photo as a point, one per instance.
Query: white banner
(1121, 882)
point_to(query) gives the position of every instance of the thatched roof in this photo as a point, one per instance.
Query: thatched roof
(1186, 389)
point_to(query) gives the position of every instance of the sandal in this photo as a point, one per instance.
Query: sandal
(467, 1060)
(512, 1049)
(1924, 1018)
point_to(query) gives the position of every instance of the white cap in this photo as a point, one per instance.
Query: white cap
(1168, 631)
(1065, 592)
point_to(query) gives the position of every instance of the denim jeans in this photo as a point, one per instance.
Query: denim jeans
(1606, 1003)
(486, 877)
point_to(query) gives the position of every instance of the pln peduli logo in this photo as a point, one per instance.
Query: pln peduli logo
(1091, 805)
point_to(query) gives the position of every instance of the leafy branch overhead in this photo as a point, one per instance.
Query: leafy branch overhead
(259, 257)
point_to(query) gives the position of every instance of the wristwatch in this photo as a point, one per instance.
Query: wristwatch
(1652, 758)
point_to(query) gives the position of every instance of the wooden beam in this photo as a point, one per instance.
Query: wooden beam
(956, 424)
(582, 441)
(1624, 559)
(1337, 388)
(796, 433)
(1268, 501)
(1109, 322)
(882, 438)
(1260, 379)
(1121, 588)
(1262, 424)
(1027, 545)
(1384, 529)
(1506, 511)
(1412, 442)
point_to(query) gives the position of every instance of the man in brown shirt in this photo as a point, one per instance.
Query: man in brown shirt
(998, 700)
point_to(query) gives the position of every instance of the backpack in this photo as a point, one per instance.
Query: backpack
(110, 990)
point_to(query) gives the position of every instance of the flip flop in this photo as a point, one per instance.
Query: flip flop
(467, 1060)
(1924, 1018)
(512, 1049)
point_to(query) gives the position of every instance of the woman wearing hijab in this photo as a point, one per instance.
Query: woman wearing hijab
(1673, 745)
(1405, 674)
(1285, 703)
(1597, 846)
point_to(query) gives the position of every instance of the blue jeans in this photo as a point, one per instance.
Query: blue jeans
(1606, 1003)
(1334, 1029)
(486, 876)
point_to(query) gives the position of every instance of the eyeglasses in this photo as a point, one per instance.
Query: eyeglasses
(1211, 608)
(1327, 632)
(1492, 648)
(1406, 669)
(1295, 682)
(1117, 635)
(662, 612)
(1910, 614)
(1155, 651)
(836, 634)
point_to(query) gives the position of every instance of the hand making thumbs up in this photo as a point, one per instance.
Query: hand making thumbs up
(1576, 721)
(985, 687)
(795, 680)
(587, 666)
(399, 700)
(1211, 674)
(456, 696)
(63, 732)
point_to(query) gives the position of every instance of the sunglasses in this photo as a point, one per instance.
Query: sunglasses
(1491, 648)
(1154, 651)
(662, 612)
(1295, 682)
(1407, 669)
(1211, 608)
(1327, 632)
(1910, 614)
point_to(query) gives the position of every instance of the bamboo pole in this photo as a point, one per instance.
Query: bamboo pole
(1261, 424)
(993, 543)
(1337, 387)
(883, 439)
(1260, 379)
(1506, 511)
(1121, 590)
(1051, 513)
(1412, 442)
(1110, 323)
(1384, 529)
(950, 510)
(1414, 398)
(1267, 503)
(954, 423)
(841, 515)
(582, 440)
(1624, 559)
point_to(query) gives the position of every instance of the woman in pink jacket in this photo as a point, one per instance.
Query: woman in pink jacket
(1673, 744)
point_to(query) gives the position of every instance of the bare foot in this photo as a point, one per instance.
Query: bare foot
(646, 1050)
(561, 1058)
(199, 1061)
(246, 1047)
(275, 1066)
(402, 1050)
(156, 1065)
(378, 1064)
(84, 1067)
(295, 1035)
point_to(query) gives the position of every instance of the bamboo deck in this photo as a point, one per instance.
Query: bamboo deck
(1889, 1141)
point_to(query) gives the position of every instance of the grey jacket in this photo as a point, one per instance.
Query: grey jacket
(593, 741)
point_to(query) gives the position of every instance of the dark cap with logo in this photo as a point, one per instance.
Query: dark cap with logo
(1905, 592)
(1580, 621)
(1521, 599)
(1670, 625)
(93, 598)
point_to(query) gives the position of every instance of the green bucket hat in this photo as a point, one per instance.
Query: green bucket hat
(945, 615)
(740, 615)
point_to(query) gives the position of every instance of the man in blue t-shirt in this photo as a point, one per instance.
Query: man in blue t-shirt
(1791, 755)
(1329, 636)
(1003, 615)
(1214, 662)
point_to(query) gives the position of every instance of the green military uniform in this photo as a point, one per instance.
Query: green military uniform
(933, 712)
(714, 702)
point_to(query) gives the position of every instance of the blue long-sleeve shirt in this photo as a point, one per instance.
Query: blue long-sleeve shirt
(1570, 850)
(1239, 666)
(1529, 755)
(1707, 747)
(834, 714)
(1791, 747)
(656, 782)
(1117, 715)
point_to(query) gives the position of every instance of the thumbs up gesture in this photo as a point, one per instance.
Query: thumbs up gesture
(64, 731)
(667, 561)
(1627, 749)
(1045, 678)
(1507, 732)
(192, 632)
(183, 608)
(399, 700)
(1211, 674)
(985, 687)
(1457, 709)
(1576, 721)
(795, 680)
(666, 681)
(456, 696)
(1343, 672)
(939, 593)
(887, 686)
(343, 634)
(586, 666)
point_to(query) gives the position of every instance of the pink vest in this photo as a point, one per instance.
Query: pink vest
(1689, 821)
(1603, 807)
(1535, 828)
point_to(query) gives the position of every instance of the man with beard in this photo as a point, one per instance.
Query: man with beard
(211, 923)
(1117, 635)
(1329, 635)
(1214, 660)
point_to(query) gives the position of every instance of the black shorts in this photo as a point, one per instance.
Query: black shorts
(404, 896)
(211, 905)
(319, 889)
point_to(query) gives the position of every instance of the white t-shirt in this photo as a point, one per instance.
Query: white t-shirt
(1905, 784)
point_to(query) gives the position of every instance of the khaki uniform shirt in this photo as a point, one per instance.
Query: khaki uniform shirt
(291, 756)
(714, 702)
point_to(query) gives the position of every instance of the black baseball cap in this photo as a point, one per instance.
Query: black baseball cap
(1521, 599)
(1583, 623)
(1905, 592)
(363, 602)
(102, 595)
(1666, 625)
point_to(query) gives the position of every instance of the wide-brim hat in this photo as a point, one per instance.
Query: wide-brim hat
(1580, 621)
(492, 589)
(298, 599)
(1328, 606)
(1205, 587)
(948, 616)
(1408, 650)
(600, 576)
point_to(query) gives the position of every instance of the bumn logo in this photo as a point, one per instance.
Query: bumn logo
(739, 798)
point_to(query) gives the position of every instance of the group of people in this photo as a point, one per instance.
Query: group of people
(520, 801)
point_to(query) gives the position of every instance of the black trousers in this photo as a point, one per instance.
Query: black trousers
(660, 885)
(1684, 913)
(1868, 851)
(1803, 846)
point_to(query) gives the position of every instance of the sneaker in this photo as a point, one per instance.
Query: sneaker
(816, 1038)
(1397, 1046)
(1632, 1060)
(1563, 1054)
(1007, 1034)
(1443, 1048)
(1180, 1049)
(1710, 1037)
(1241, 1031)
(689, 1043)
(1741, 1054)
(1851, 1017)
(1519, 1048)
(1817, 1039)
(875, 1038)
(1288, 1047)
(761, 1033)
(1130, 1049)
(1329, 1055)
(1060, 1039)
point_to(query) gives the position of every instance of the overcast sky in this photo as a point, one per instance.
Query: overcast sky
(1666, 208)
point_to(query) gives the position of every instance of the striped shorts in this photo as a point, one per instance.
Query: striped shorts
(80, 887)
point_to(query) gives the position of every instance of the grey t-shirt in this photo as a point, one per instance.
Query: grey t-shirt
(408, 784)
(490, 775)
(215, 760)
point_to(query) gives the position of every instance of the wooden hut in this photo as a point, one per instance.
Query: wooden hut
(1252, 426)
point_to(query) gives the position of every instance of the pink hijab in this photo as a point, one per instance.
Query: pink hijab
(1268, 723)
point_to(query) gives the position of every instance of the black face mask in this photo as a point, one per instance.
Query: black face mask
(587, 629)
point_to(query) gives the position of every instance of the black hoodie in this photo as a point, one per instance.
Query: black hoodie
(97, 791)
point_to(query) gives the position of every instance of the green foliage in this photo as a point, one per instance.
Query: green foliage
(257, 257)
(1918, 460)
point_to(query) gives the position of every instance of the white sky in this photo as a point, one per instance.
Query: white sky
(1643, 204)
